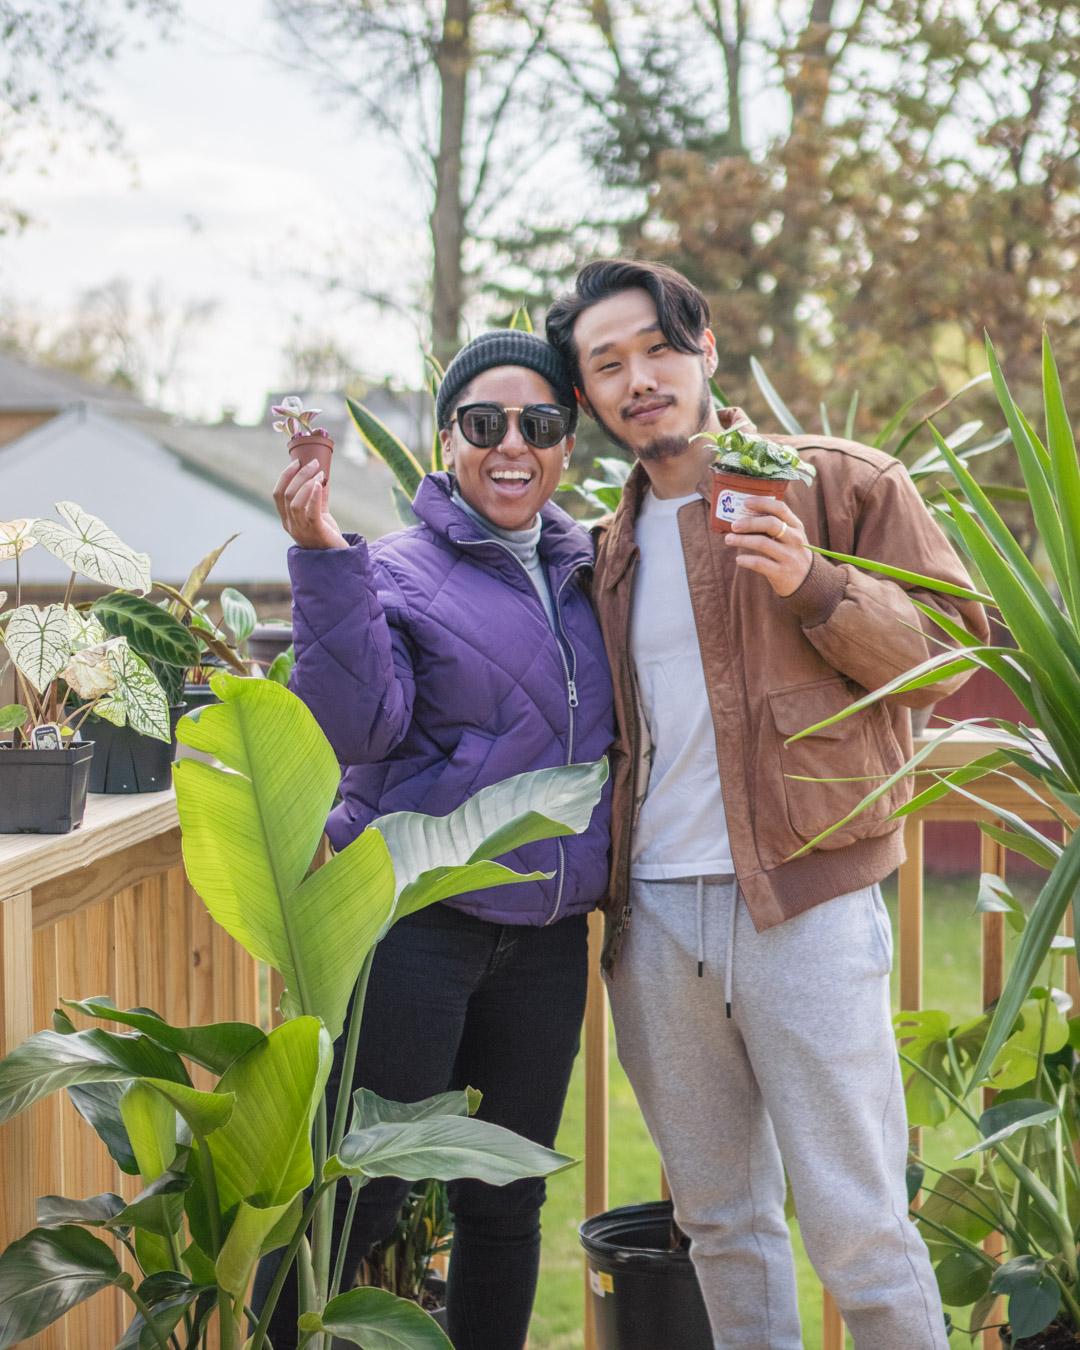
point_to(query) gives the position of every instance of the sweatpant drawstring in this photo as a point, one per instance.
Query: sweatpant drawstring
(729, 964)
(700, 927)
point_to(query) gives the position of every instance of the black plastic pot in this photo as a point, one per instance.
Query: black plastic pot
(44, 791)
(268, 640)
(124, 761)
(644, 1294)
(198, 696)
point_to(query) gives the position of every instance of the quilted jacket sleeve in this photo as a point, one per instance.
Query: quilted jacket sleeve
(353, 665)
(864, 624)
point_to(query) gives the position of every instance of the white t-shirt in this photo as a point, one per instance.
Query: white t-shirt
(682, 827)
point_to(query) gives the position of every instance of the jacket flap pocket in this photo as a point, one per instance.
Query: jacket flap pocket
(795, 709)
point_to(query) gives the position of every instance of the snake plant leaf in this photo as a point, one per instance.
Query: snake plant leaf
(39, 643)
(47, 1273)
(390, 448)
(377, 1320)
(152, 632)
(92, 550)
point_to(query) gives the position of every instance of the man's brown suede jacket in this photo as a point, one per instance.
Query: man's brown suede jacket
(774, 666)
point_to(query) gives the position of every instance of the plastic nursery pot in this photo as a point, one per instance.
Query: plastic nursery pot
(124, 761)
(730, 492)
(268, 640)
(198, 696)
(44, 791)
(309, 445)
(644, 1294)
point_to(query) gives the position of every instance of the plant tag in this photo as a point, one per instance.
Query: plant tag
(728, 505)
(600, 1282)
(46, 737)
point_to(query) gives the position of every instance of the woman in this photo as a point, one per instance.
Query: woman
(439, 660)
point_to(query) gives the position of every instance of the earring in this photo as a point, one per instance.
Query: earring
(566, 461)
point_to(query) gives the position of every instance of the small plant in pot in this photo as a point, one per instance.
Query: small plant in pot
(749, 465)
(306, 441)
(70, 665)
(403, 1262)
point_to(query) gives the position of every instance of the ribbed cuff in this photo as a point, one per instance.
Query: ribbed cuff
(821, 591)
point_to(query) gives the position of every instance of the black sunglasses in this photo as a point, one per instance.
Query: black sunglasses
(484, 424)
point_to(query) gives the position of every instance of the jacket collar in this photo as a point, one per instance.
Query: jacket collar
(564, 545)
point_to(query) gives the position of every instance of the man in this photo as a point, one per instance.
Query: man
(750, 988)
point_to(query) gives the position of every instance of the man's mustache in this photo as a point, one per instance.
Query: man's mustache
(632, 409)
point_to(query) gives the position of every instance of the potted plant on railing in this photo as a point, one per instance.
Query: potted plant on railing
(1043, 671)
(238, 1171)
(69, 666)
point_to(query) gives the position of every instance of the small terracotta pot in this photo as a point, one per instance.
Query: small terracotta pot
(309, 445)
(730, 491)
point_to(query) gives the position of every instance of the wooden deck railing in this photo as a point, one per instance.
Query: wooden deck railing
(961, 749)
(104, 910)
(107, 910)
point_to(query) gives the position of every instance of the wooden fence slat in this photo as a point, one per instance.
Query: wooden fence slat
(16, 1023)
(176, 938)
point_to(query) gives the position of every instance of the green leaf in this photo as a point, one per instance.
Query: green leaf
(390, 448)
(238, 613)
(1066, 479)
(99, 1106)
(442, 1148)
(1001, 1122)
(962, 1278)
(150, 1121)
(250, 1228)
(157, 1209)
(90, 548)
(49, 1061)
(168, 1295)
(99, 1210)
(262, 1154)
(214, 1046)
(960, 1204)
(378, 1320)
(152, 632)
(1062, 886)
(197, 576)
(996, 898)
(47, 1273)
(781, 411)
(281, 667)
(370, 1109)
(39, 643)
(438, 856)
(12, 716)
(1045, 855)
(1034, 1297)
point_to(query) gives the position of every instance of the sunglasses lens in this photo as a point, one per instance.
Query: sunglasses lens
(484, 424)
(543, 425)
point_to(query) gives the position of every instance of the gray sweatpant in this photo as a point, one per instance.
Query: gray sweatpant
(803, 1075)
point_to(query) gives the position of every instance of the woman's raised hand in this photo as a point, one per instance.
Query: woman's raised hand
(301, 500)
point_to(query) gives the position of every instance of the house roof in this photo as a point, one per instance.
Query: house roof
(245, 460)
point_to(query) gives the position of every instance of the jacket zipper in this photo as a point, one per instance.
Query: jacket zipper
(570, 672)
(623, 921)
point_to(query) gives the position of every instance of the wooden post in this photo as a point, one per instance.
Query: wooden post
(596, 1099)
(16, 1023)
(992, 859)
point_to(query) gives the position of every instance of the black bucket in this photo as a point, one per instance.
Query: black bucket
(644, 1294)
(43, 791)
(124, 761)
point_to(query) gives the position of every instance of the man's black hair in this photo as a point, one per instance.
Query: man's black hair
(681, 308)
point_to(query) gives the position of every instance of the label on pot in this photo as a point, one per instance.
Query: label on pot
(600, 1282)
(729, 505)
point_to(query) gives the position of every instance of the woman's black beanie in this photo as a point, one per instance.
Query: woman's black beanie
(504, 347)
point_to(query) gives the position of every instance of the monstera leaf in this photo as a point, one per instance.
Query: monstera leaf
(90, 548)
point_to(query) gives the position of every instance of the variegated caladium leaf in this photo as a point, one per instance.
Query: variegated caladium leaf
(16, 536)
(39, 642)
(87, 630)
(89, 673)
(90, 548)
(138, 700)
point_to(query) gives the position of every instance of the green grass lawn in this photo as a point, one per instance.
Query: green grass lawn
(951, 980)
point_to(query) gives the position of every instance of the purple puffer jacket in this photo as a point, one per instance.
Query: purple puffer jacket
(430, 665)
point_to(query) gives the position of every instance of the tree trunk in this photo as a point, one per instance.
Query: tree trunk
(448, 212)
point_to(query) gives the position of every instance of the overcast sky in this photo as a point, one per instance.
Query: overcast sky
(246, 176)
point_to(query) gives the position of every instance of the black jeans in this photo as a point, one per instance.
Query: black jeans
(452, 1002)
